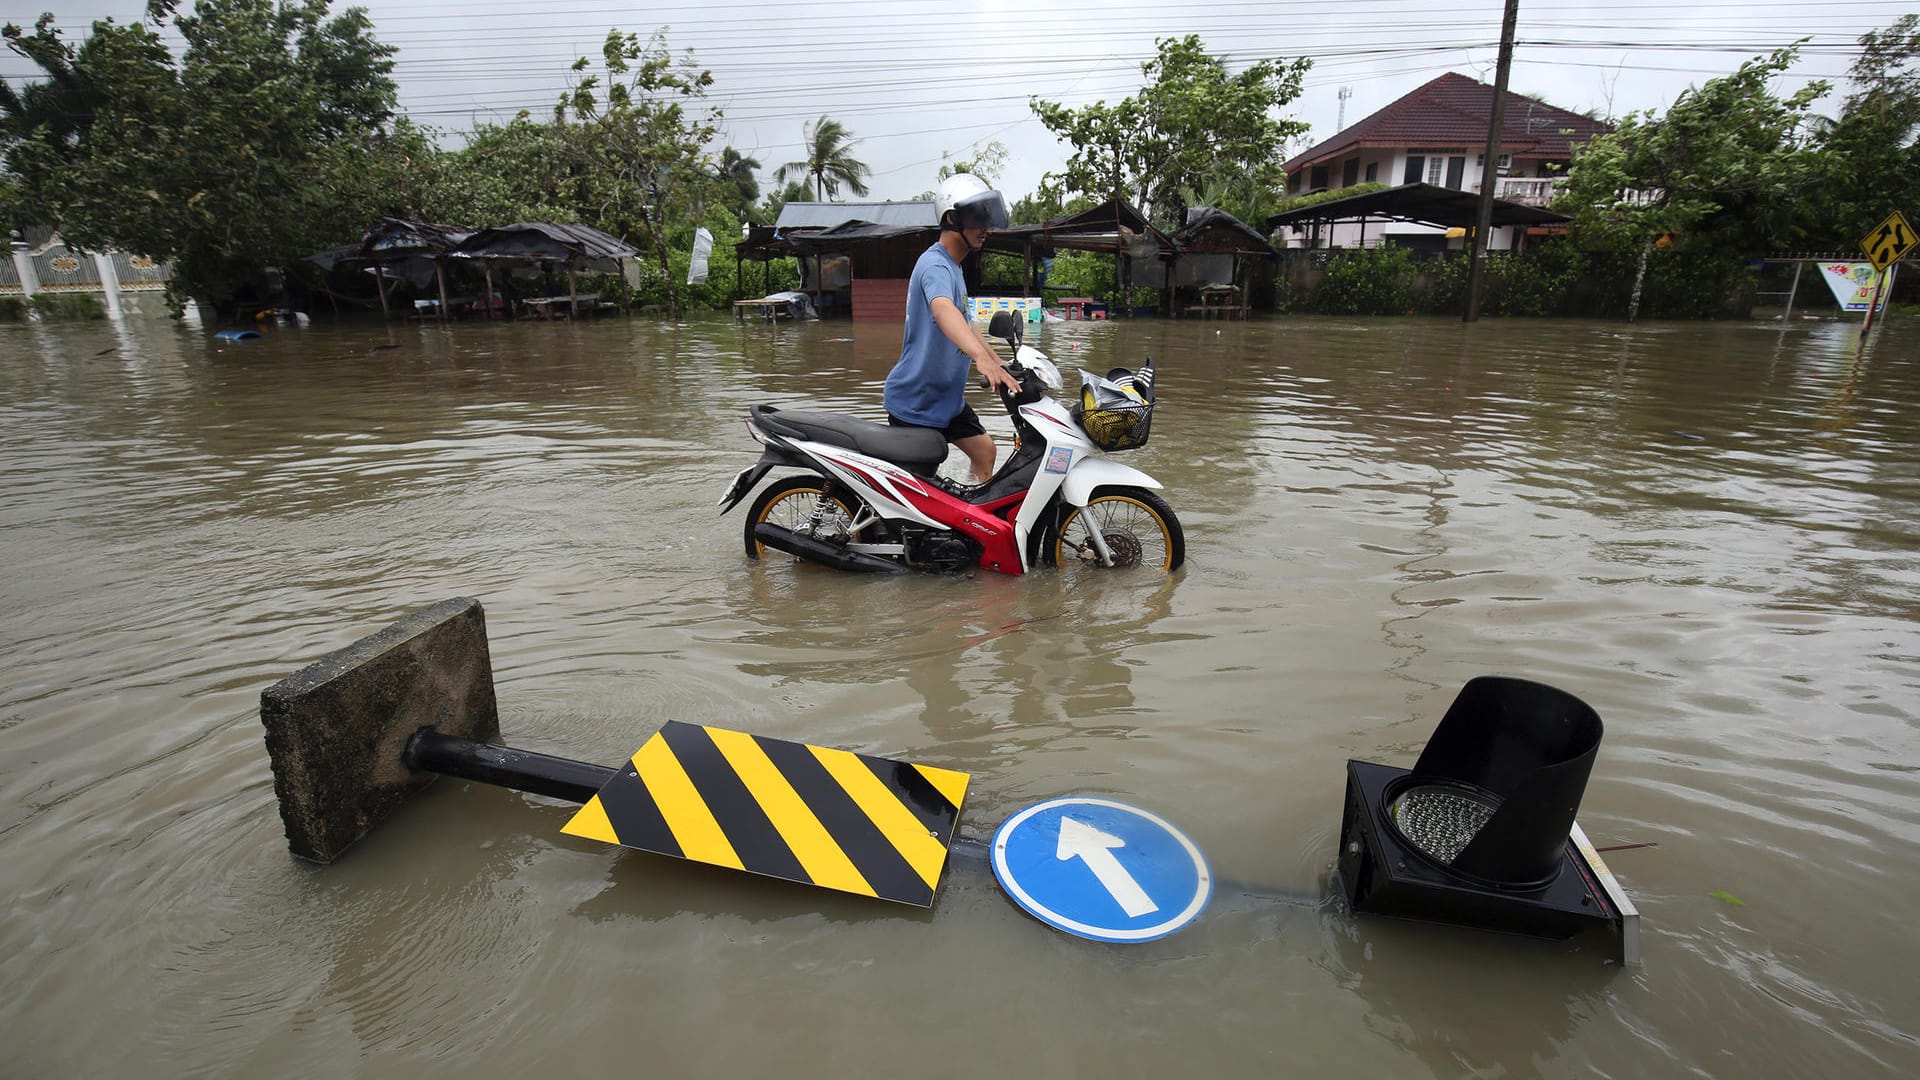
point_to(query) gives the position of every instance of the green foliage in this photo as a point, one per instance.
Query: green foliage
(1552, 279)
(1193, 126)
(68, 306)
(1367, 281)
(829, 161)
(987, 163)
(214, 161)
(739, 187)
(635, 148)
(13, 308)
(793, 191)
(1318, 197)
(1046, 204)
(1082, 273)
(517, 171)
(1725, 168)
(1871, 162)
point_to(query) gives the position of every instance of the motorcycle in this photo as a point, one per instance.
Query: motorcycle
(869, 499)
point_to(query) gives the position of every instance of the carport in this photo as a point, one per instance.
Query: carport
(1419, 204)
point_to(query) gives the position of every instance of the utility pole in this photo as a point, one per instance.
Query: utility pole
(1490, 167)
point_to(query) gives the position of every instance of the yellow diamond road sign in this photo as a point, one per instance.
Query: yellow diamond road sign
(818, 816)
(1890, 242)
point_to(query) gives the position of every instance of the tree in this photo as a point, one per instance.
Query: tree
(638, 143)
(793, 191)
(1726, 169)
(736, 176)
(987, 164)
(214, 161)
(1193, 124)
(829, 161)
(1872, 163)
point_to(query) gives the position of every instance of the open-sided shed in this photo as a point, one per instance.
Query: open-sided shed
(574, 246)
(1114, 226)
(1223, 259)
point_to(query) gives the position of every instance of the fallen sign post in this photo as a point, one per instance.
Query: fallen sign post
(354, 735)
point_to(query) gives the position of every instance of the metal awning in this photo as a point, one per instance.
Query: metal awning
(851, 234)
(578, 246)
(1424, 204)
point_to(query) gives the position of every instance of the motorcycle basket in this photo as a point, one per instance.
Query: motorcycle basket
(1115, 427)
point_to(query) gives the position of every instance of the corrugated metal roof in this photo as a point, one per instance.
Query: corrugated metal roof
(546, 240)
(1451, 112)
(913, 213)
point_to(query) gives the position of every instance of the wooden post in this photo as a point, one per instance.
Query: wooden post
(573, 293)
(380, 287)
(1793, 289)
(1885, 286)
(1490, 166)
(440, 276)
(489, 271)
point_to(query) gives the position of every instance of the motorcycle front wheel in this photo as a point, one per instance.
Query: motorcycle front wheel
(1137, 525)
(792, 503)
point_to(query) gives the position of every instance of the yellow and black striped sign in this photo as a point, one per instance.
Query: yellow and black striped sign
(824, 817)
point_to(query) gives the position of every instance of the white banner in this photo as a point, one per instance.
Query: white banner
(1853, 284)
(702, 247)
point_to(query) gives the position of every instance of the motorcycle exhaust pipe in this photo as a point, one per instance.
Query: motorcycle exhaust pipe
(806, 547)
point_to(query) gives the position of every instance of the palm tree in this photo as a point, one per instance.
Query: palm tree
(736, 174)
(828, 161)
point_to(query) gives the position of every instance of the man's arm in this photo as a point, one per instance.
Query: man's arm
(960, 331)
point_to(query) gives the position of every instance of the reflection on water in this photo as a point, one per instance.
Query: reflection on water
(1710, 532)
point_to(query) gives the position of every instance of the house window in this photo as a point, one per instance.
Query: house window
(1416, 167)
(1373, 171)
(1436, 170)
(1457, 172)
(1319, 180)
(1350, 173)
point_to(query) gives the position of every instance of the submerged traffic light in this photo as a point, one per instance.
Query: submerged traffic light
(1481, 832)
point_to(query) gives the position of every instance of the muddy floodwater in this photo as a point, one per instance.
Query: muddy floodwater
(1708, 532)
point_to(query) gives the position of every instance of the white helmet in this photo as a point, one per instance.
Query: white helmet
(973, 204)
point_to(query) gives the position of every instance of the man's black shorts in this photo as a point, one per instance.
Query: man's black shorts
(961, 426)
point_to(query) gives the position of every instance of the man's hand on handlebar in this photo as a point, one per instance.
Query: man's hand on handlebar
(998, 377)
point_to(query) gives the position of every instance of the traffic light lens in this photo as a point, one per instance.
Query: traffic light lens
(1441, 821)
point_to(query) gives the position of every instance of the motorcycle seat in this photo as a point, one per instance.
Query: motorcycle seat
(916, 449)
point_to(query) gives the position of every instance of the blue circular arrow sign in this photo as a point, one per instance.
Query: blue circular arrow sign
(1101, 869)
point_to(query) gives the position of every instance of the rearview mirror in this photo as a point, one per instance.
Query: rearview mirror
(1005, 324)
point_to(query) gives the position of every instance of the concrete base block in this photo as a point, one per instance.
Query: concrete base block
(337, 730)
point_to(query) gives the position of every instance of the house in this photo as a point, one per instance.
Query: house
(1437, 135)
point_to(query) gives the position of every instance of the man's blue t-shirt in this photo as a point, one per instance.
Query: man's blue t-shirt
(929, 384)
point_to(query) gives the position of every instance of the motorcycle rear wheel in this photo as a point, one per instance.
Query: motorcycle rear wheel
(790, 503)
(1139, 527)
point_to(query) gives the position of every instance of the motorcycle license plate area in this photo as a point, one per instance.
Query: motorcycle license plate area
(865, 825)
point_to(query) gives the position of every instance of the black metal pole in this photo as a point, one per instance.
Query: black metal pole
(1490, 166)
(503, 766)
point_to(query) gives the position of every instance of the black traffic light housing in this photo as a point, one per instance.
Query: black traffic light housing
(1480, 832)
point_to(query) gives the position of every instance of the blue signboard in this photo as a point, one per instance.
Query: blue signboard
(1101, 869)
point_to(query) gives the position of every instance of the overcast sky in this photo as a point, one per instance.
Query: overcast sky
(914, 80)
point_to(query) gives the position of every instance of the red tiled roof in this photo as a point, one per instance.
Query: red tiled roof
(1452, 112)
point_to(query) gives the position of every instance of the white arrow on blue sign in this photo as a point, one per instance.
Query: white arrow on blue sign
(1101, 869)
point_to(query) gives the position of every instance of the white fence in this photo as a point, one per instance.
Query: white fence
(57, 268)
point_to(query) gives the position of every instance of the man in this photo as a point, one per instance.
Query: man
(927, 387)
